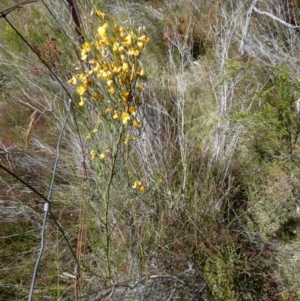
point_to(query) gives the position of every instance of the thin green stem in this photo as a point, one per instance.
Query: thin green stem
(107, 203)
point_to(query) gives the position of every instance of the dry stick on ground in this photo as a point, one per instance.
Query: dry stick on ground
(248, 20)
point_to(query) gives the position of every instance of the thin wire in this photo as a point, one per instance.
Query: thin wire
(75, 121)
(43, 61)
(16, 6)
(58, 150)
(46, 210)
(61, 84)
(46, 200)
(47, 206)
(23, 182)
(53, 16)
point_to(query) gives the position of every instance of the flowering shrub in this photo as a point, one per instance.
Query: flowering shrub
(110, 92)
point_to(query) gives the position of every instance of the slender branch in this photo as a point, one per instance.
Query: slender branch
(16, 6)
(247, 25)
(275, 18)
(248, 20)
(77, 20)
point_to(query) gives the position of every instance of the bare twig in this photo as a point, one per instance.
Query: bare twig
(30, 127)
(247, 25)
(275, 18)
(248, 20)
(16, 6)
(77, 20)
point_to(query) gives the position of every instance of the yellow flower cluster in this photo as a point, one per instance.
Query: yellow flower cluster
(113, 71)
(110, 82)
(137, 185)
(101, 156)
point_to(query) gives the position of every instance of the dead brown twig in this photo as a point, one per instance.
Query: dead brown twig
(16, 6)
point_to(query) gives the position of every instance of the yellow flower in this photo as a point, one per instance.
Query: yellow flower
(139, 186)
(132, 110)
(116, 47)
(125, 93)
(142, 188)
(102, 74)
(86, 47)
(125, 67)
(122, 32)
(121, 49)
(80, 90)
(84, 55)
(111, 90)
(97, 96)
(101, 156)
(86, 82)
(136, 184)
(116, 70)
(96, 68)
(103, 51)
(97, 45)
(100, 14)
(140, 46)
(142, 73)
(104, 41)
(125, 118)
(135, 124)
(142, 38)
(82, 101)
(127, 41)
(133, 52)
(106, 65)
(93, 154)
(159, 180)
(116, 116)
(140, 88)
(102, 30)
(126, 139)
(130, 51)
(73, 81)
